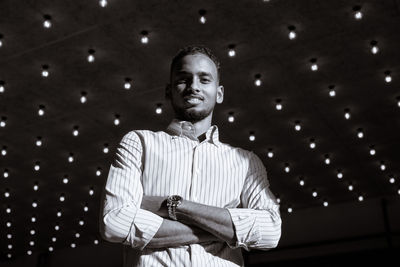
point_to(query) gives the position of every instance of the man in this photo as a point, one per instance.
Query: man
(180, 197)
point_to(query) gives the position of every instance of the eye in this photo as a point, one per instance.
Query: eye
(205, 80)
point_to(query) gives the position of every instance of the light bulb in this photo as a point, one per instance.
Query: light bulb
(29, 252)
(96, 242)
(327, 160)
(287, 168)
(31, 243)
(292, 33)
(85, 208)
(81, 222)
(339, 175)
(278, 105)
(360, 133)
(270, 154)
(65, 180)
(91, 192)
(98, 172)
(103, 3)
(71, 158)
(62, 198)
(2, 88)
(41, 110)
(231, 118)
(53, 239)
(4, 151)
(77, 235)
(32, 232)
(312, 143)
(301, 182)
(360, 198)
(325, 203)
(297, 126)
(388, 78)
(57, 227)
(350, 187)
(59, 213)
(73, 245)
(347, 114)
(3, 122)
(314, 194)
(314, 66)
(383, 166)
(34, 204)
(202, 19)
(278, 200)
(116, 120)
(75, 131)
(36, 187)
(51, 249)
(33, 219)
(127, 84)
(5, 173)
(45, 71)
(392, 180)
(37, 166)
(252, 137)
(290, 210)
(144, 38)
(158, 109)
(105, 149)
(39, 141)
(47, 21)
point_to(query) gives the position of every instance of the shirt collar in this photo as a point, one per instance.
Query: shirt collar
(186, 128)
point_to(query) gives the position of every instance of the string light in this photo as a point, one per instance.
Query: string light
(59, 213)
(339, 174)
(231, 118)
(65, 179)
(327, 159)
(7, 193)
(77, 235)
(45, 71)
(116, 119)
(39, 141)
(4, 151)
(325, 203)
(290, 209)
(9, 236)
(383, 166)
(51, 248)
(360, 133)
(3, 122)
(388, 78)
(270, 153)
(392, 180)
(34, 204)
(56, 227)
(83, 97)
(81, 222)
(314, 66)
(62, 197)
(2, 88)
(252, 137)
(71, 158)
(98, 171)
(278, 200)
(37, 166)
(357, 12)
(33, 219)
(301, 181)
(297, 126)
(5, 173)
(278, 104)
(96, 242)
(159, 109)
(350, 187)
(8, 210)
(372, 151)
(314, 193)
(145, 38)
(75, 131)
(73, 245)
(103, 3)
(90, 57)
(257, 80)
(398, 101)
(91, 191)
(292, 33)
(347, 113)
(41, 110)
(332, 92)
(287, 168)
(53, 239)
(374, 47)
(105, 149)
(31, 243)
(1, 40)
(29, 252)
(47, 21)
(36, 186)
(202, 13)
(360, 198)
(128, 83)
(231, 51)
(312, 143)
(86, 208)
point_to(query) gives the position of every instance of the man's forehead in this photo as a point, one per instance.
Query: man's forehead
(199, 59)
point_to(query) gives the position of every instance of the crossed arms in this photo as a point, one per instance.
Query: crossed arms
(134, 219)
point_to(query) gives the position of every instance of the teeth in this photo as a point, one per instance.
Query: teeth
(193, 100)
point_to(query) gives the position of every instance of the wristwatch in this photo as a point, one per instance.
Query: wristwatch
(173, 202)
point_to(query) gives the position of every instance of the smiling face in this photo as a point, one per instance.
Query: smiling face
(194, 88)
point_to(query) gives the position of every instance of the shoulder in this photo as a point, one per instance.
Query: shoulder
(142, 134)
(246, 154)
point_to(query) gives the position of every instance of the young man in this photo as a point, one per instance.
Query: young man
(180, 197)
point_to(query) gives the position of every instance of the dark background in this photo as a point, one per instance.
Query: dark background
(345, 231)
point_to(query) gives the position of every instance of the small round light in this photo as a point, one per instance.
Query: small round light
(86, 208)
(103, 3)
(75, 131)
(41, 110)
(347, 114)
(37, 166)
(71, 158)
(31, 243)
(38, 141)
(159, 109)
(83, 97)
(33, 219)
(257, 80)
(372, 151)
(91, 191)
(314, 66)
(62, 198)
(56, 227)
(388, 78)
(252, 137)
(312, 143)
(350, 187)
(45, 71)
(314, 194)
(59, 213)
(53, 239)
(290, 210)
(8, 210)
(32, 232)
(231, 118)
(73, 245)
(81, 222)
(51, 249)
(278, 105)
(325, 203)
(98, 172)
(90, 57)
(392, 180)
(128, 83)
(360, 133)
(278, 200)
(327, 160)
(360, 198)
(382, 166)
(5, 173)
(34, 204)
(297, 126)
(9, 246)
(374, 47)
(3, 122)
(9, 236)
(144, 38)
(9, 255)
(270, 153)
(116, 120)
(339, 174)
(202, 14)
(65, 180)
(8, 224)
(36, 187)
(301, 182)
(47, 21)
(96, 242)
(6, 194)
(287, 168)
(105, 149)
(357, 12)
(77, 235)
(231, 51)
(29, 252)
(4, 151)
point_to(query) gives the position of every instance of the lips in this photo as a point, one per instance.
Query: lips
(193, 99)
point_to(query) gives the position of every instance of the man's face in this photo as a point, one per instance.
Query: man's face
(194, 88)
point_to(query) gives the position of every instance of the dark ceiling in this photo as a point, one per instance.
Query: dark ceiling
(326, 31)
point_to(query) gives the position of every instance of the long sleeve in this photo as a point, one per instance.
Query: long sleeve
(123, 221)
(258, 223)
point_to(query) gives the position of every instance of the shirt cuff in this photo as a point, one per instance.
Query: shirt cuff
(246, 228)
(145, 226)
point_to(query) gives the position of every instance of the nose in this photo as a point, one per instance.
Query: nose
(194, 85)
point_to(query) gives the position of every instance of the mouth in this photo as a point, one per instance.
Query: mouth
(193, 100)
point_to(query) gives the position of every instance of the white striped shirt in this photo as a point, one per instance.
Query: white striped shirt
(208, 172)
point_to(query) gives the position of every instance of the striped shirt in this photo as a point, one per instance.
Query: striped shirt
(209, 172)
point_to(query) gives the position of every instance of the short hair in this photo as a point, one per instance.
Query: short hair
(192, 50)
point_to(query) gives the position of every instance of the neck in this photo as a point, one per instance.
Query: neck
(202, 126)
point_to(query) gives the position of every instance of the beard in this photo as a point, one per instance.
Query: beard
(190, 115)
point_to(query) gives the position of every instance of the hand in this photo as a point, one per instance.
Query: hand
(157, 205)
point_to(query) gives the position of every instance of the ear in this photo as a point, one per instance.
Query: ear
(168, 91)
(220, 94)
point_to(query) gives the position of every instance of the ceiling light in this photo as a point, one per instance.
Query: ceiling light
(374, 47)
(257, 80)
(45, 71)
(159, 109)
(252, 137)
(231, 51)
(128, 83)
(314, 66)
(90, 57)
(41, 110)
(202, 18)
(103, 3)
(144, 38)
(347, 114)
(292, 33)
(47, 21)
(357, 12)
